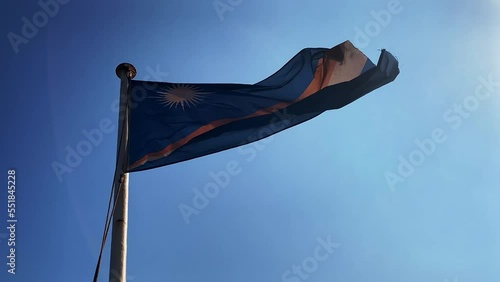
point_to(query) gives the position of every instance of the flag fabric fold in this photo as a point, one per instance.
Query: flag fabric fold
(174, 122)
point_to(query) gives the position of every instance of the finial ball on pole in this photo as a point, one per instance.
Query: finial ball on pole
(128, 68)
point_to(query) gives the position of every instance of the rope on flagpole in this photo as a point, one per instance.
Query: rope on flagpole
(125, 72)
(118, 257)
(107, 224)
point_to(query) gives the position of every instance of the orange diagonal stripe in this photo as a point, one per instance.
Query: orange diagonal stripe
(326, 74)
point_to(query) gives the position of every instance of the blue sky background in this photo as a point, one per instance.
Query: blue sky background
(440, 223)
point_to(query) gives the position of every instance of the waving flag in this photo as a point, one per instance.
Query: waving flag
(178, 121)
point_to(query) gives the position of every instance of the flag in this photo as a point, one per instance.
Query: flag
(174, 122)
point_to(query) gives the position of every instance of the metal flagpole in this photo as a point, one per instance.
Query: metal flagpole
(118, 260)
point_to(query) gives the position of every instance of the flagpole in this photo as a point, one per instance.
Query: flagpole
(118, 260)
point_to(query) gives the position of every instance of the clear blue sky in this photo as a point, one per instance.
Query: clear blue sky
(437, 222)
